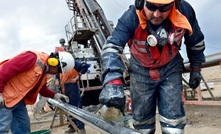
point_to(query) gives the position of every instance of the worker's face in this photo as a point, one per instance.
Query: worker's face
(157, 13)
(53, 70)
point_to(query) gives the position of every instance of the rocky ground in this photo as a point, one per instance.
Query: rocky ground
(202, 119)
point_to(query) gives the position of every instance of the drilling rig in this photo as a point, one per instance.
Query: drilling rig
(86, 33)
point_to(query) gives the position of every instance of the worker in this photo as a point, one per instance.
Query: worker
(69, 86)
(153, 30)
(21, 79)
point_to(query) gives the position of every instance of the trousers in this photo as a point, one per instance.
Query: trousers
(15, 118)
(165, 93)
(73, 92)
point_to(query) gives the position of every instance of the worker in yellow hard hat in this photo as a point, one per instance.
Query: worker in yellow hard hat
(153, 30)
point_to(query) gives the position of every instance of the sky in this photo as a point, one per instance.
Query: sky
(39, 24)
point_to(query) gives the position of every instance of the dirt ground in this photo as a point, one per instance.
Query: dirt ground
(201, 119)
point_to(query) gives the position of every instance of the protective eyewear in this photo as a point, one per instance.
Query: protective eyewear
(163, 8)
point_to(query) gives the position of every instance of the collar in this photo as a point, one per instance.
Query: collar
(177, 19)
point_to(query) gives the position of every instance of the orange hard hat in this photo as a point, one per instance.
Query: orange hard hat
(160, 1)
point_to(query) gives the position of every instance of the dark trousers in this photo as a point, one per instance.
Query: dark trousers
(73, 92)
(146, 94)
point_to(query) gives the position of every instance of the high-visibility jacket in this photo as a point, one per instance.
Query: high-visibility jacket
(154, 59)
(21, 86)
(68, 77)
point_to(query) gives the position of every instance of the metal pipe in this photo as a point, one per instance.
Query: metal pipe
(93, 120)
(211, 60)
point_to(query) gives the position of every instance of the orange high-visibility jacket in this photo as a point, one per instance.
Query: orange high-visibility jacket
(20, 86)
(68, 77)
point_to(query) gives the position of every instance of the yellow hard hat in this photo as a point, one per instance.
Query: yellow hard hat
(160, 1)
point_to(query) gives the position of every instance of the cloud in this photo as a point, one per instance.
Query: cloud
(29, 24)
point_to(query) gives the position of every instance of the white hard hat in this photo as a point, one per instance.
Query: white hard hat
(66, 61)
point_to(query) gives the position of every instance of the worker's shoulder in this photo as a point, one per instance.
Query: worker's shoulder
(130, 18)
(186, 9)
(131, 12)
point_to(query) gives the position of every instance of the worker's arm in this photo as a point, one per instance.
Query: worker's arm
(16, 65)
(112, 94)
(195, 45)
(112, 65)
(47, 92)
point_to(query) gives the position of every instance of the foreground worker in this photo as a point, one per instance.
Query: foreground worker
(21, 79)
(153, 30)
(69, 85)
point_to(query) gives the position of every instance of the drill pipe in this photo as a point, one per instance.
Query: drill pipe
(93, 120)
(211, 60)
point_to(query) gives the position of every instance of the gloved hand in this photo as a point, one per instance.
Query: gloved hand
(113, 95)
(84, 68)
(1, 100)
(61, 97)
(195, 78)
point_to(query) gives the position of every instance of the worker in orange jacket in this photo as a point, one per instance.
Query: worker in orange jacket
(69, 85)
(21, 79)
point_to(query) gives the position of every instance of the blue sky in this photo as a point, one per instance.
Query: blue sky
(39, 24)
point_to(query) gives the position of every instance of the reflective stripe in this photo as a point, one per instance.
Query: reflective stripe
(146, 131)
(40, 64)
(199, 46)
(110, 50)
(173, 122)
(172, 130)
(150, 121)
(110, 47)
(141, 43)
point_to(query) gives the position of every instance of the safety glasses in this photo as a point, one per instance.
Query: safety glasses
(163, 8)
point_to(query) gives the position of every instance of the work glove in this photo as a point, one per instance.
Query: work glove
(61, 97)
(195, 78)
(113, 95)
(1, 100)
(84, 68)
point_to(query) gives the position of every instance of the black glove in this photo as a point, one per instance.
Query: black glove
(113, 95)
(195, 78)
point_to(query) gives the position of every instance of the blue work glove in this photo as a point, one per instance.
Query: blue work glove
(113, 95)
(84, 68)
(195, 78)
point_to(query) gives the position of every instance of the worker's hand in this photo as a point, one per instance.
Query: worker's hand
(113, 95)
(195, 78)
(1, 100)
(84, 68)
(61, 97)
